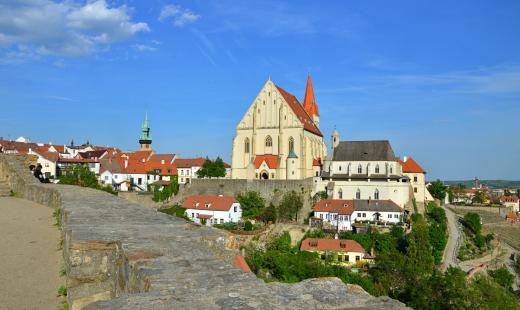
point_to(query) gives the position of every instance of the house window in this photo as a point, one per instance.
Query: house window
(192, 215)
(340, 194)
(357, 258)
(221, 221)
(358, 194)
(139, 181)
(246, 145)
(364, 215)
(115, 176)
(415, 179)
(359, 169)
(340, 258)
(317, 173)
(272, 175)
(268, 141)
(415, 189)
(234, 209)
(339, 168)
(187, 172)
(182, 172)
(106, 177)
(391, 169)
(182, 180)
(377, 168)
(376, 194)
(322, 256)
(389, 216)
(321, 216)
(347, 258)
(396, 216)
(257, 175)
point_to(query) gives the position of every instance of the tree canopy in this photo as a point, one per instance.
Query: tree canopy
(212, 169)
(438, 190)
(252, 204)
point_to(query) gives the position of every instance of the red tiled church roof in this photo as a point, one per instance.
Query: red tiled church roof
(270, 160)
(308, 123)
(411, 166)
(309, 102)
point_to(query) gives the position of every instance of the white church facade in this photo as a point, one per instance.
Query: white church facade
(278, 137)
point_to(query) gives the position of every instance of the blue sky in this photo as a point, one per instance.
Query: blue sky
(439, 79)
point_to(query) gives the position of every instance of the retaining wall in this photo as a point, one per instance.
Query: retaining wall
(121, 255)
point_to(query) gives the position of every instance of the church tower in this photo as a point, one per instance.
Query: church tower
(335, 139)
(145, 139)
(309, 103)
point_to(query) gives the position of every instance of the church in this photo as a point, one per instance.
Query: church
(278, 137)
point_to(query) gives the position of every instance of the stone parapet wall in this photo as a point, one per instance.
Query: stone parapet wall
(121, 255)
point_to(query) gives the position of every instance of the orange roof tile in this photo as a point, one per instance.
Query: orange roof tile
(344, 207)
(309, 102)
(209, 202)
(411, 166)
(240, 262)
(316, 162)
(315, 244)
(270, 160)
(308, 123)
(189, 162)
(512, 198)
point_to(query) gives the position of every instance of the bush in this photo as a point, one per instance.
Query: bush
(472, 222)
(177, 211)
(252, 204)
(248, 226)
(503, 277)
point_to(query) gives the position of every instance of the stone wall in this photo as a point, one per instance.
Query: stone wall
(121, 255)
(270, 190)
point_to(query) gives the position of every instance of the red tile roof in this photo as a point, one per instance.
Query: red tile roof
(511, 216)
(316, 162)
(512, 198)
(411, 166)
(270, 160)
(305, 119)
(240, 262)
(189, 162)
(344, 207)
(168, 158)
(309, 102)
(78, 160)
(315, 244)
(209, 202)
(51, 156)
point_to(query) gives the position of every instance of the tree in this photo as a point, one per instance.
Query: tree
(290, 205)
(212, 169)
(503, 277)
(438, 190)
(420, 261)
(479, 197)
(268, 214)
(252, 204)
(472, 222)
(438, 228)
(81, 175)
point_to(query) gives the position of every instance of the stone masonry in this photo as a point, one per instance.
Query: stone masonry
(121, 255)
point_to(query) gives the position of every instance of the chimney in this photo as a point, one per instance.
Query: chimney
(405, 158)
(126, 163)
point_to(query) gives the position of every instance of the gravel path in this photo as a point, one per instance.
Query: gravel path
(454, 239)
(29, 256)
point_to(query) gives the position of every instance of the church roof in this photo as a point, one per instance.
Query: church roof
(308, 123)
(309, 102)
(364, 151)
(270, 160)
(411, 166)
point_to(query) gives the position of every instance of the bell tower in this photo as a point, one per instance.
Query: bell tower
(145, 139)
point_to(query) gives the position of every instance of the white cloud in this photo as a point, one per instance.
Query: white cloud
(144, 48)
(178, 15)
(68, 28)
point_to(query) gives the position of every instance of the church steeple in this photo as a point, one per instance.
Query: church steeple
(145, 139)
(309, 102)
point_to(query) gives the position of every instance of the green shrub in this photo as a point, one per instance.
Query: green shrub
(248, 226)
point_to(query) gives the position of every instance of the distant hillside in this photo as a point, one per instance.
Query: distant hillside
(490, 183)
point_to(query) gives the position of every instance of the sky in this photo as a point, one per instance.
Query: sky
(439, 79)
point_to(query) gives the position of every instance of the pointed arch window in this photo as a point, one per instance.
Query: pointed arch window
(246, 145)
(376, 194)
(377, 169)
(268, 141)
(291, 144)
(340, 194)
(359, 169)
(358, 194)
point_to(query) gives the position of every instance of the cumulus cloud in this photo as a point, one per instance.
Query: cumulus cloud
(68, 28)
(178, 15)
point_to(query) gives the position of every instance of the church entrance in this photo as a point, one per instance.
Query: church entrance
(264, 175)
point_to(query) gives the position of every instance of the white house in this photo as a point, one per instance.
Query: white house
(364, 170)
(187, 168)
(341, 214)
(47, 160)
(511, 201)
(209, 210)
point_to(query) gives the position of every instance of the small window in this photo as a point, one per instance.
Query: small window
(322, 256)
(396, 216)
(359, 169)
(221, 221)
(415, 189)
(246, 145)
(347, 258)
(377, 169)
(339, 168)
(235, 209)
(376, 194)
(317, 173)
(357, 258)
(268, 141)
(358, 194)
(340, 194)
(389, 216)
(340, 258)
(272, 175)
(415, 179)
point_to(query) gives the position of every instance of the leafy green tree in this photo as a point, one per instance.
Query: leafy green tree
(479, 197)
(438, 190)
(290, 205)
(503, 277)
(420, 260)
(212, 169)
(252, 204)
(472, 222)
(490, 295)
(248, 226)
(268, 214)
(438, 231)
(81, 175)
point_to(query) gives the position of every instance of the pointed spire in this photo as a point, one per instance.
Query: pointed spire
(309, 102)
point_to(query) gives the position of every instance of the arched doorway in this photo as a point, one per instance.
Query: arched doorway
(264, 175)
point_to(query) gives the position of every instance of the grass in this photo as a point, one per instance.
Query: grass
(62, 291)
(175, 210)
(57, 217)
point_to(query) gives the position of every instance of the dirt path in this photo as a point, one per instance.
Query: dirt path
(29, 256)
(454, 239)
